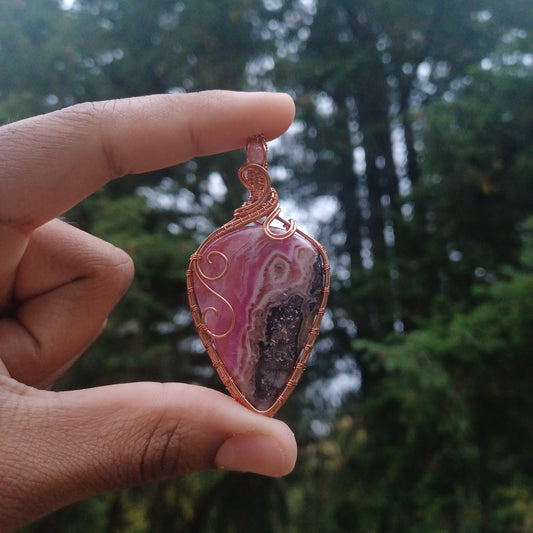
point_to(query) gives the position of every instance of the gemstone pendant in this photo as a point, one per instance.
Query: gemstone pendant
(257, 289)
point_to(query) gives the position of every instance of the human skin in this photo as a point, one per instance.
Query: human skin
(58, 285)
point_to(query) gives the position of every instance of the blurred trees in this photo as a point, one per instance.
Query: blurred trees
(413, 149)
(442, 444)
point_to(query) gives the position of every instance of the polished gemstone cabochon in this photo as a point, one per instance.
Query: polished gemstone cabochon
(258, 297)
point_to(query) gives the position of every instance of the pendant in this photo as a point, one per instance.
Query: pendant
(257, 289)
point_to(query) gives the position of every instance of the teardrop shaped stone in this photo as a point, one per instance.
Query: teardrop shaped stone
(259, 298)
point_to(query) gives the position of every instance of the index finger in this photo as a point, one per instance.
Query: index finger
(51, 162)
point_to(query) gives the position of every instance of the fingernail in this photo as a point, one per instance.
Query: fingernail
(259, 454)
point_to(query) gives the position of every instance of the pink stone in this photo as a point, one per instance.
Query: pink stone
(258, 298)
(256, 151)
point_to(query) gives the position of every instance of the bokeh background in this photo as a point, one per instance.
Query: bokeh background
(411, 160)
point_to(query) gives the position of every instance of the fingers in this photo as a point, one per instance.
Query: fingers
(65, 287)
(77, 444)
(83, 147)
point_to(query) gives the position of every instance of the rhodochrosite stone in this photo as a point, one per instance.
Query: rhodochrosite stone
(257, 292)
(261, 311)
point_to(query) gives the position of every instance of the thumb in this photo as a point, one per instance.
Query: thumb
(60, 447)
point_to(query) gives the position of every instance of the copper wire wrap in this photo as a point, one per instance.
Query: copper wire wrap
(262, 207)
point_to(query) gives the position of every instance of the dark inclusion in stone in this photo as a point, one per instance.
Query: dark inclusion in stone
(287, 328)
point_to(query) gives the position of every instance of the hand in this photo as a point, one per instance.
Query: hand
(59, 284)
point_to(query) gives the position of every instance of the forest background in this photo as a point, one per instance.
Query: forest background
(411, 160)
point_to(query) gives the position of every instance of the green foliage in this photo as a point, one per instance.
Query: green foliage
(23, 30)
(440, 444)
(475, 193)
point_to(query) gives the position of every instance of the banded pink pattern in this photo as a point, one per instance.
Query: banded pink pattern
(261, 310)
